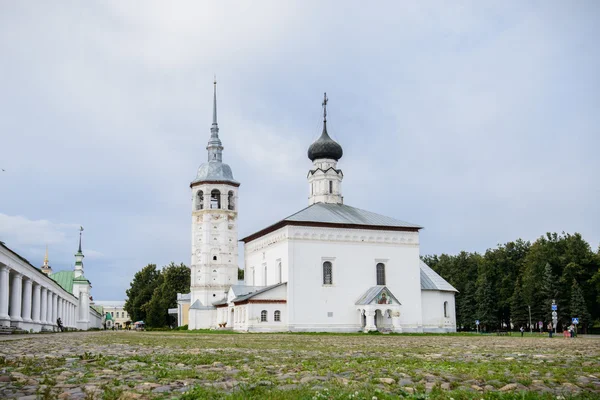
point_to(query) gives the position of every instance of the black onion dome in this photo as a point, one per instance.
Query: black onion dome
(325, 147)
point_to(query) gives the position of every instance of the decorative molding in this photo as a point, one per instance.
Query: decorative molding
(340, 235)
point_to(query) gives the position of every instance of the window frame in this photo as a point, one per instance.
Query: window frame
(377, 274)
(327, 282)
(263, 316)
(277, 316)
(199, 200)
(446, 314)
(217, 193)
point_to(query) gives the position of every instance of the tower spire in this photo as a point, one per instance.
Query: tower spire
(46, 257)
(79, 257)
(215, 126)
(214, 147)
(325, 100)
(80, 230)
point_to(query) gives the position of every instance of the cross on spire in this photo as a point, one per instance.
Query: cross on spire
(325, 100)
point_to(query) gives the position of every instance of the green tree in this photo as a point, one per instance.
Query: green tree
(486, 304)
(174, 279)
(549, 291)
(140, 292)
(518, 308)
(578, 306)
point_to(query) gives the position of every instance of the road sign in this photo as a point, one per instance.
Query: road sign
(476, 322)
(554, 314)
(575, 321)
(554, 307)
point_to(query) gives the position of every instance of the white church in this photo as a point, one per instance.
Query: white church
(329, 267)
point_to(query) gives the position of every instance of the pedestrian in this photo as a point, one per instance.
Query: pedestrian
(59, 324)
(522, 330)
(549, 329)
(571, 330)
(566, 333)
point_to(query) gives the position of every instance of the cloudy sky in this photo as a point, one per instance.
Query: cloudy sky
(479, 121)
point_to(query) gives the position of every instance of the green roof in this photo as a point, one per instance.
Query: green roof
(108, 316)
(64, 279)
(81, 279)
(98, 308)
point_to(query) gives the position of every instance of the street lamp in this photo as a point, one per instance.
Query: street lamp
(530, 327)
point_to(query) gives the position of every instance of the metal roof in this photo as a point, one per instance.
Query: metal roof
(215, 171)
(372, 293)
(64, 279)
(337, 215)
(343, 214)
(198, 306)
(430, 280)
(263, 290)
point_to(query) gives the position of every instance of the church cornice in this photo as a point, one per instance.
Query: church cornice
(328, 234)
(199, 183)
(283, 223)
(314, 171)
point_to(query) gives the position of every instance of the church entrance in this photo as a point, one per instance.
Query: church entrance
(383, 320)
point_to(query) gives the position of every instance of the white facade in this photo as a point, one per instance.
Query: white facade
(329, 267)
(32, 301)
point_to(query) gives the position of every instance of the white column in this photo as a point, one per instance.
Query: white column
(70, 313)
(35, 313)
(370, 326)
(4, 292)
(43, 305)
(26, 300)
(54, 308)
(49, 312)
(15, 297)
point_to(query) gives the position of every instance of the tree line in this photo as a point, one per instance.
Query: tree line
(153, 291)
(501, 287)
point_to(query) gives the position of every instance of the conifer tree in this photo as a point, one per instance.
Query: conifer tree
(578, 307)
(518, 308)
(549, 292)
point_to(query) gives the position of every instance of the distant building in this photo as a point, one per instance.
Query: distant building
(115, 313)
(328, 267)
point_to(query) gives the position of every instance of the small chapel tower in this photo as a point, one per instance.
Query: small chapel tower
(324, 179)
(46, 268)
(214, 231)
(79, 259)
(81, 289)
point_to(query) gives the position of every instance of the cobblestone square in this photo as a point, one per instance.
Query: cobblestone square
(136, 365)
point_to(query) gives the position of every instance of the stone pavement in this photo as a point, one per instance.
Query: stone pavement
(131, 365)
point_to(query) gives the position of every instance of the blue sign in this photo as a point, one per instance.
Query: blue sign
(476, 322)
(554, 307)
(575, 321)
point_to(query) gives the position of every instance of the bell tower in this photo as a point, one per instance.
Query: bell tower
(214, 265)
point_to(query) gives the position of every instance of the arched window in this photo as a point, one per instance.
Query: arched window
(327, 273)
(263, 316)
(330, 186)
(253, 276)
(277, 316)
(380, 274)
(446, 315)
(200, 200)
(230, 204)
(215, 199)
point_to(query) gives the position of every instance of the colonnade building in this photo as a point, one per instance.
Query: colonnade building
(33, 299)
